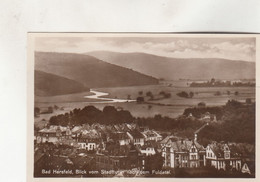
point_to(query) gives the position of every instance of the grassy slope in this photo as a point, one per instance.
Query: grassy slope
(90, 71)
(175, 68)
(47, 84)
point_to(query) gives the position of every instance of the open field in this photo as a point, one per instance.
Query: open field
(172, 107)
(77, 97)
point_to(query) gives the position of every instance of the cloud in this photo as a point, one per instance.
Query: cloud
(236, 49)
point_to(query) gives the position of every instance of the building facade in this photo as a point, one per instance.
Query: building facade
(179, 153)
(220, 156)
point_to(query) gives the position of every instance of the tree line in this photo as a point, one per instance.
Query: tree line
(236, 121)
(90, 115)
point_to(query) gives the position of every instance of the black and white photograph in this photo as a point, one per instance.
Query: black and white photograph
(109, 105)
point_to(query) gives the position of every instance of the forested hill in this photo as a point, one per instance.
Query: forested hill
(90, 71)
(47, 84)
(237, 122)
(179, 68)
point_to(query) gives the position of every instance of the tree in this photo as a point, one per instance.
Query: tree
(165, 94)
(151, 97)
(149, 94)
(168, 95)
(162, 93)
(125, 116)
(202, 104)
(140, 92)
(139, 99)
(50, 109)
(228, 92)
(183, 94)
(236, 93)
(191, 94)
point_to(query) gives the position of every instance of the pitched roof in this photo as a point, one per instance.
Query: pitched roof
(93, 134)
(76, 129)
(69, 142)
(180, 145)
(150, 144)
(151, 133)
(119, 136)
(38, 156)
(136, 134)
(217, 148)
(169, 139)
(52, 129)
(80, 162)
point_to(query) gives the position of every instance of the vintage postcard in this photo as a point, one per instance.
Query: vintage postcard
(158, 106)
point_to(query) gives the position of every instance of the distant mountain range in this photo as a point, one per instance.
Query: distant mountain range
(87, 71)
(177, 68)
(47, 84)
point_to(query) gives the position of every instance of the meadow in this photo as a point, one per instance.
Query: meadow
(171, 107)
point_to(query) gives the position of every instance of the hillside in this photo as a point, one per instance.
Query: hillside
(47, 84)
(176, 68)
(89, 71)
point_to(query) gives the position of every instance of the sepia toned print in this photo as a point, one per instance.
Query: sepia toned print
(143, 105)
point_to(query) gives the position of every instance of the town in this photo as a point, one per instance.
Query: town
(128, 149)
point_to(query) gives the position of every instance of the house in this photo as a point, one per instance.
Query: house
(132, 126)
(121, 137)
(220, 156)
(207, 117)
(52, 134)
(191, 117)
(136, 137)
(69, 143)
(75, 132)
(168, 139)
(120, 157)
(89, 140)
(183, 153)
(150, 148)
(64, 151)
(151, 135)
(124, 127)
(83, 162)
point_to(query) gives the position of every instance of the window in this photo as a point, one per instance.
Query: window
(226, 155)
(193, 157)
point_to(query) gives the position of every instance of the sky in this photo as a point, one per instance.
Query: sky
(181, 47)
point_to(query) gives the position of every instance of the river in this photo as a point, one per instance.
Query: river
(99, 96)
